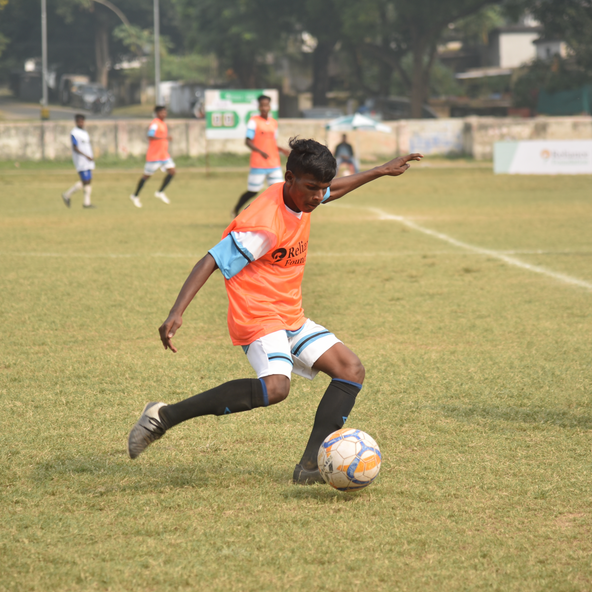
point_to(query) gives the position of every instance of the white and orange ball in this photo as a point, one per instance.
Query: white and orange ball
(349, 459)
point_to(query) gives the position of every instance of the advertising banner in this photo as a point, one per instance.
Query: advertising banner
(228, 111)
(543, 157)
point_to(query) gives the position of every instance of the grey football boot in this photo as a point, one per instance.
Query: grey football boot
(147, 429)
(303, 476)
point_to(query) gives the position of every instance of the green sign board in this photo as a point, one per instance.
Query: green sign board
(229, 111)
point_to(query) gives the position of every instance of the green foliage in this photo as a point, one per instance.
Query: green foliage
(559, 75)
(475, 28)
(570, 21)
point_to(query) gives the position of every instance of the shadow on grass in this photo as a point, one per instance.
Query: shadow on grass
(85, 472)
(538, 416)
(320, 493)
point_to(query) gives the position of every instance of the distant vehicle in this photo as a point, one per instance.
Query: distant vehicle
(321, 113)
(92, 97)
(392, 108)
(67, 81)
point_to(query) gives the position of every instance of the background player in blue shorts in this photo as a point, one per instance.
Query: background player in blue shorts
(84, 162)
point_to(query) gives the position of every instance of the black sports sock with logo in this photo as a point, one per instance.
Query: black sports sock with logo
(231, 397)
(166, 181)
(139, 187)
(332, 412)
(244, 198)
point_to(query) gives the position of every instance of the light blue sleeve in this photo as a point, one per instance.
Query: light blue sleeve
(151, 133)
(250, 134)
(230, 257)
(327, 195)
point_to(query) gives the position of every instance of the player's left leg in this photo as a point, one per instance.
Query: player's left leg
(315, 349)
(169, 168)
(67, 195)
(87, 190)
(347, 373)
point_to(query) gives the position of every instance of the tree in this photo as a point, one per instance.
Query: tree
(569, 21)
(239, 32)
(401, 28)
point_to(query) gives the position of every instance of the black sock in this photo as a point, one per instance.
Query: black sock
(231, 397)
(166, 181)
(140, 185)
(244, 198)
(332, 412)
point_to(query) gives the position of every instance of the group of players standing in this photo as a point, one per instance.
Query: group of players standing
(261, 138)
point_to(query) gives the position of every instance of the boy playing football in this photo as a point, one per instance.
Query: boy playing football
(157, 156)
(262, 256)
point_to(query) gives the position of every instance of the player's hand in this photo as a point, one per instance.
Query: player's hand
(264, 154)
(168, 329)
(398, 166)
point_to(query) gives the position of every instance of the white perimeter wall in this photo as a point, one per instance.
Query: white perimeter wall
(472, 136)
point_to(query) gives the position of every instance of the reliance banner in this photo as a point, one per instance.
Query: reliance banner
(543, 157)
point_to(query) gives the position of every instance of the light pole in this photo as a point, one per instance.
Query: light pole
(156, 52)
(44, 108)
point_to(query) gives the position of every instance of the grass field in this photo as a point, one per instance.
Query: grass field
(477, 390)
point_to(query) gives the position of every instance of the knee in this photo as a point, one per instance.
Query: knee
(352, 370)
(278, 388)
(171, 172)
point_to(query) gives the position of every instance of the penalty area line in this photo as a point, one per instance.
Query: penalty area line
(562, 277)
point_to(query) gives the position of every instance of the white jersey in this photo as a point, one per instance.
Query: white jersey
(81, 140)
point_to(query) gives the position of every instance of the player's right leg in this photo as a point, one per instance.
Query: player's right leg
(269, 356)
(149, 169)
(254, 186)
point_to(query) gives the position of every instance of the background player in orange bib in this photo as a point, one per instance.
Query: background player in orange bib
(265, 162)
(262, 256)
(157, 156)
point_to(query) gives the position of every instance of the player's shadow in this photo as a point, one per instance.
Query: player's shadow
(110, 472)
(323, 494)
(537, 415)
(103, 473)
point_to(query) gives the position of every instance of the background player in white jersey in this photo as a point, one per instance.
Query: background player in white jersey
(84, 162)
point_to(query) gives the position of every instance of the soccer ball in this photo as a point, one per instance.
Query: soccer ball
(349, 459)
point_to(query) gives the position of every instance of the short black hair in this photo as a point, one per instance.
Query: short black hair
(262, 98)
(159, 108)
(308, 156)
(79, 116)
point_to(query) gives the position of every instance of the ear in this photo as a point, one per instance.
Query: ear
(289, 178)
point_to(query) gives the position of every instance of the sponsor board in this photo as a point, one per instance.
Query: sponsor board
(228, 111)
(543, 157)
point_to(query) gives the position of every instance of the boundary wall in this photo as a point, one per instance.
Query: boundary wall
(471, 136)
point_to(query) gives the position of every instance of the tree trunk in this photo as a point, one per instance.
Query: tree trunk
(102, 48)
(320, 73)
(418, 86)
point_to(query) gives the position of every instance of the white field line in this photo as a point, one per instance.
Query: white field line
(500, 255)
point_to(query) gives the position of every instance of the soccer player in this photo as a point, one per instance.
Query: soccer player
(84, 162)
(261, 138)
(262, 256)
(157, 157)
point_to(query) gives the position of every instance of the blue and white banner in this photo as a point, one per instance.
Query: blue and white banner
(543, 157)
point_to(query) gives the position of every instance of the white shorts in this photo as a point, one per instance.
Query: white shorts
(284, 352)
(257, 178)
(151, 167)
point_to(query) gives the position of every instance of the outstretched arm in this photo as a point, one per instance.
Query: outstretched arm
(193, 284)
(393, 168)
